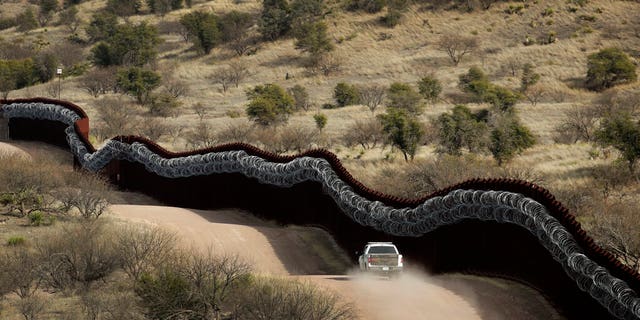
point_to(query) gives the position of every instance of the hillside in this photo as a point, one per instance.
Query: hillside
(583, 175)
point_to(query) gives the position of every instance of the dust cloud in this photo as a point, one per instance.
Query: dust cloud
(413, 295)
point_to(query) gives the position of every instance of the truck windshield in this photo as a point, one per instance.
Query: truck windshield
(382, 249)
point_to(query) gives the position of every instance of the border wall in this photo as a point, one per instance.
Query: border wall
(476, 245)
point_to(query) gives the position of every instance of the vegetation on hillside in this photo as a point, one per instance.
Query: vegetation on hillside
(545, 91)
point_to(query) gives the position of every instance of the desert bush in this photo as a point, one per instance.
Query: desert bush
(403, 97)
(300, 97)
(430, 88)
(461, 129)
(154, 129)
(321, 120)
(203, 31)
(130, 44)
(616, 100)
(162, 7)
(175, 87)
(31, 307)
(202, 135)
(198, 285)
(103, 25)
(26, 20)
(457, 46)
(275, 19)
(26, 186)
(623, 133)
(579, 124)
(403, 131)
(372, 96)
(99, 81)
(87, 193)
(501, 98)
(367, 133)
(529, 77)
(138, 83)
(609, 67)
(313, 38)
(20, 272)
(70, 19)
(123, 7)
(369, 6)
(269, 104)
(46, 9)
(78, 254)
(272, 298)
(111, 304)
(616, 230)
(236, 132)
(163, 104)
(234, 28)
(509, 138)
(392, 18)
(535, 93)
(144, 248)
(116, 117)
(345, 94)
(16, 241)
(288, 138)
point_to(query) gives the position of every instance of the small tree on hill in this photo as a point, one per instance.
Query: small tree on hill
(509, 138)
(372, 96)
(275, 19)
(457, 46)
(403, 131)
(430, 88)
(623, 133)
(124, 7)
(234, 28)
(129, 45)
(103, 25)
(461, 129)
(609, 67)
(300, 96)
(312, 38)
(269, 104)
(202, 28)
(529, 77)
(138, 82)
(345, 94)
(403, 96)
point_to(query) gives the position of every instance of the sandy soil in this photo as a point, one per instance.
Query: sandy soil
(283, 251)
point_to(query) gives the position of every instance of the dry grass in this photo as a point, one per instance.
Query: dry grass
(408, 54)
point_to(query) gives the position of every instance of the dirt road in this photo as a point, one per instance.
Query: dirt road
(286, 252)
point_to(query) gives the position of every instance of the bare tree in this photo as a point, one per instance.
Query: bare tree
(457, 46)
(174, 87)
(238, 132)
(154, 129)
(372, 96)
(238, 71)
(535, 93)
(580, 123)
(80, 253)
(617, 231)
(201, 136)
(224, 77)
(144, 248)
(88, 193)
(99, 81)
(200, 110)
(20, 272)
(367, 133)
(31, 307)
(116, 117)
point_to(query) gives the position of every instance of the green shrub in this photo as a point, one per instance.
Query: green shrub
(403, 96)
(392, 18)
(16, 241)
(345, 94)
(320, 120)
(329, 106)
(269, 104)
(609, 67)
(36, 218)
(430, 88)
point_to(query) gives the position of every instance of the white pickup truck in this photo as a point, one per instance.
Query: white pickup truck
(381, 257)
